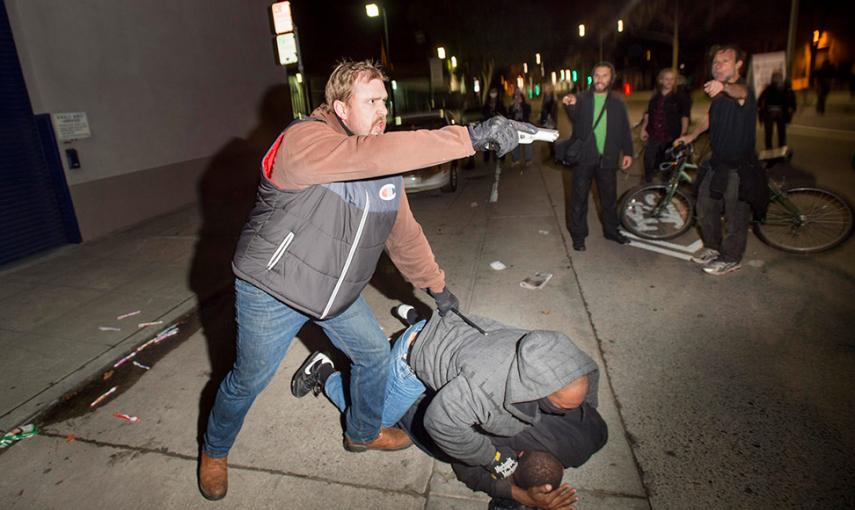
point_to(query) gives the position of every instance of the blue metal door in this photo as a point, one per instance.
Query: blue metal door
(35, 207)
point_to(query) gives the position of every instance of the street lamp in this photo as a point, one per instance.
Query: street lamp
(454, 62)
(440, 53)
(581, 30)
(620, 25)
(373, 10)
(537, 58)
(525, 67)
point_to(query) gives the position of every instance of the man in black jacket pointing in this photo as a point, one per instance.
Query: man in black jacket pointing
(600, 119)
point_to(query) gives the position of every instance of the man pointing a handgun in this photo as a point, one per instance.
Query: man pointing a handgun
(328, 203)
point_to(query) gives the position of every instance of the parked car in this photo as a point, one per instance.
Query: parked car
(443, 177)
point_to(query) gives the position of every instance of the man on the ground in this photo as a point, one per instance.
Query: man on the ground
(478, 400)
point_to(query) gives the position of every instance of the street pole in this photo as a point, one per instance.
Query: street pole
(386, 33)
(791, 37)
(389, 59)
(675, 45)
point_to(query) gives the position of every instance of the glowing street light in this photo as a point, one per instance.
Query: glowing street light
(525, 67)
(454, 62)
(476, 86)
(563, 76)
(440, 52)
(581, 30)
(554, 78)
(620, 25)
(372, 10)
(537, 58)
(394, 85)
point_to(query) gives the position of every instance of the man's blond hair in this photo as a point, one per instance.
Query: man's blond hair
(661, 76)
(346, 73)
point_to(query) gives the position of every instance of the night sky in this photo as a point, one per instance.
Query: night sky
(510, 32)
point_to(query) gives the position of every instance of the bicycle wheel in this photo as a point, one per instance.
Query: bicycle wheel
(823, 221)
(638, 212)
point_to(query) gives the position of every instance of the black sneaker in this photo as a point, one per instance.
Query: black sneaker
(308, 379)
(618, 238)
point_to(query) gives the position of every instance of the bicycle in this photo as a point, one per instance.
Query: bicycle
(798, 220)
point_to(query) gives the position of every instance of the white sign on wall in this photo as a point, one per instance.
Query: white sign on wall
(282, 17)
(71, 126)
(286, 46)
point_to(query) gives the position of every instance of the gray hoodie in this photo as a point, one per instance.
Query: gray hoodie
(488, 384)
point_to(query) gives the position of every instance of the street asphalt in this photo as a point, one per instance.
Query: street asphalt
(731, 391)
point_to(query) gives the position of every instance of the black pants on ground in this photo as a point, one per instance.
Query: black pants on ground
(576, 212)
(769, 124)
(654, 154)
(737, 215)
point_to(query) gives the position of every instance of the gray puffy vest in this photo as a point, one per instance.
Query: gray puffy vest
(316, 249)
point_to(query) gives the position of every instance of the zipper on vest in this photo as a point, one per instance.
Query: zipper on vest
(349, 255)
(280, 251)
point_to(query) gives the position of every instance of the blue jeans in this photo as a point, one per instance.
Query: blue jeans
(521, 149)
(402, 390)
(266, 327)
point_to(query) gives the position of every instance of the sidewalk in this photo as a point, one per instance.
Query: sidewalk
(289, 453)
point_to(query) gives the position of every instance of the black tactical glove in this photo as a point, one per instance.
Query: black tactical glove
(498, 134)
(504, 463)
(445, 301)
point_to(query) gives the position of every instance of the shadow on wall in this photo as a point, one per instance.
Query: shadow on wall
(226, 195)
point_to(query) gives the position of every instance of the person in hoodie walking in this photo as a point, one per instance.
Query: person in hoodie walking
(478, 400)
(328, 204)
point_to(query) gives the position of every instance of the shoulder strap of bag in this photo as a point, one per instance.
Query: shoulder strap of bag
(602, 111)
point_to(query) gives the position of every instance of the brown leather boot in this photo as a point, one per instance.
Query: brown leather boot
(388, 440)
(213, 476)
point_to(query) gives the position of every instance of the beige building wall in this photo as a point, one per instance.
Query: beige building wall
(164, 84)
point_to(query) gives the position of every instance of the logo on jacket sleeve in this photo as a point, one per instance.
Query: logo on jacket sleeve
(387, 192)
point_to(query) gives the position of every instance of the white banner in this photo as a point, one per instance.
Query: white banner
(762, 67)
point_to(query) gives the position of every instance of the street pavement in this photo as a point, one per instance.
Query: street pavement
(730, 391)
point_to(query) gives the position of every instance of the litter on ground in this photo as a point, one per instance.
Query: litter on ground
(130, 314)
(127, 418)
(109, 328)
(497, 265)
(17, 434)
(104, 396)
(536, 281)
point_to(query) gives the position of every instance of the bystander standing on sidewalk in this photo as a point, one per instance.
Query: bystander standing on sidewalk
(601, 124)
(776, 106)
(728, 178)
(520, 111)
(666, 118)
